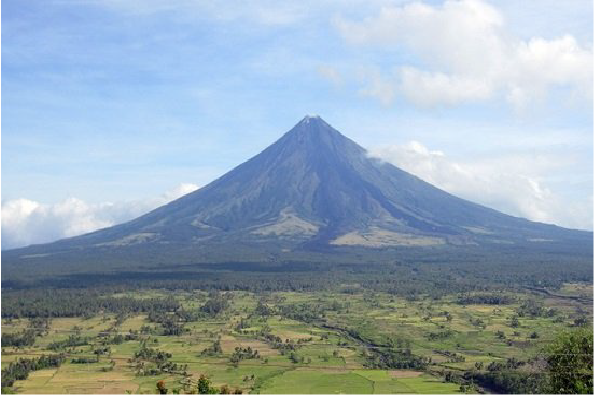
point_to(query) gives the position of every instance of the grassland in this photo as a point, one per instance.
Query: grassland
(327, 340)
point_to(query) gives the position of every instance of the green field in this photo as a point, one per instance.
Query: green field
(306, 342)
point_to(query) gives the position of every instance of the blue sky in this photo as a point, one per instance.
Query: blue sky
(113, 107)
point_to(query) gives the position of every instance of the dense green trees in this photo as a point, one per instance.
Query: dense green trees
(243, 353)
(216, 304)
(20, 369)
(397, 359)
(569, 362)
(83, 302)
(482, 298)
(71, 341)
(479, 270)
(19, 339)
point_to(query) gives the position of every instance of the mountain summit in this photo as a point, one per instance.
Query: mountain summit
(313, 188)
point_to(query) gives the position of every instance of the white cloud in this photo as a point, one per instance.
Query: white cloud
(27, 222)
(177, 192)
(331, 74)
(463, 53)
(513, 184)
(429, 89)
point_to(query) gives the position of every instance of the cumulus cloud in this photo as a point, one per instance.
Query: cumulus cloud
(27, 222)
(513, 184)
(464, 54)
(430, 89)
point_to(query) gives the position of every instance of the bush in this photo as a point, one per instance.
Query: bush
(569, 362)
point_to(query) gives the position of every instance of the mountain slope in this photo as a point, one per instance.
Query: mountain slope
(311, 189)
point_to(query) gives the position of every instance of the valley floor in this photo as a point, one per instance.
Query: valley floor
(289, 342)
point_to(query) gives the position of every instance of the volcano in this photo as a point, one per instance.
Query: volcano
(312, 190)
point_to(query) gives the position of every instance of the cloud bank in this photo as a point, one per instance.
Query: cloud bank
(27, 222)
(462, 53)
(510, 183)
